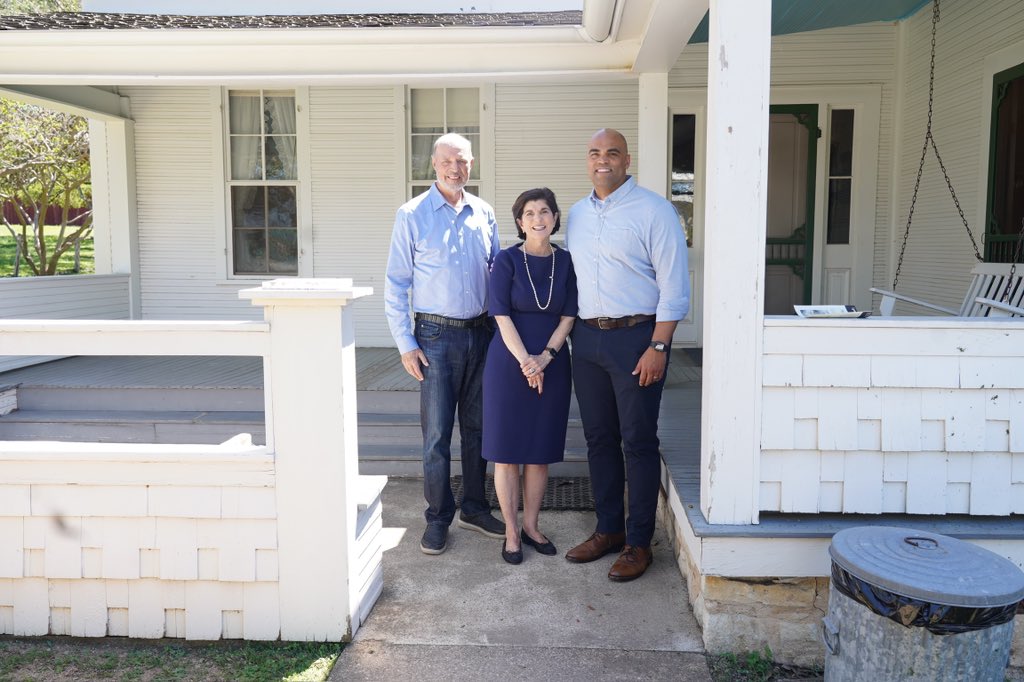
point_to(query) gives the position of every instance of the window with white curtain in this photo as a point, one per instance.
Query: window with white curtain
(263, 182)
(432, 113)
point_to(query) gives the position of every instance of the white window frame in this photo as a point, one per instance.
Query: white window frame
(483, 153)
(304, 213)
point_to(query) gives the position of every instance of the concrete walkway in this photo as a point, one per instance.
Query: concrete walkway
(467, 615)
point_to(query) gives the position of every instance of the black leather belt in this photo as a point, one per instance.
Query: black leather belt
(478, 321)
(617, 322)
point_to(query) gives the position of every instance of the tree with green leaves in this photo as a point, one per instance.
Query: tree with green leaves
(44, 163)
(39, 6)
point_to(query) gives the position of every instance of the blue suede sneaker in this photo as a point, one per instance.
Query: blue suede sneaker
(483, 523)
(435, 539)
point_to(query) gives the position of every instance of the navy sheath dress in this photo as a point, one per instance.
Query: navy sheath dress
(520, 426)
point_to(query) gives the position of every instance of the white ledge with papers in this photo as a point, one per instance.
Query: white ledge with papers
(829, 311)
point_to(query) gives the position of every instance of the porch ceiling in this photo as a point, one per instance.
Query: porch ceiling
(798, 16)
(149, 49)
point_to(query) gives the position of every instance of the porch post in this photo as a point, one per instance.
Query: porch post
(652, 133)
(115, 219)
(310, 389)
(739, 51)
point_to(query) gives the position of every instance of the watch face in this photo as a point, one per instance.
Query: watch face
(658, 346)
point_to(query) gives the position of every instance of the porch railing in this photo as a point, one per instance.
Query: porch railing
(904, 415)
(196, 541)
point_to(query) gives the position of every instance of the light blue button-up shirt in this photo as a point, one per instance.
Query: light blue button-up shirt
(630, 255)
(442, 257)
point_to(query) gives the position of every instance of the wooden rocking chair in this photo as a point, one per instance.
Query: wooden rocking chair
(984, 295)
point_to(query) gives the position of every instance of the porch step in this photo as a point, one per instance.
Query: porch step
(61, 398)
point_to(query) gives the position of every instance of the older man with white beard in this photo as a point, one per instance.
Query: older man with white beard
(442, 247)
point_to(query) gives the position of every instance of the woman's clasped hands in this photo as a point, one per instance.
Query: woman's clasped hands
(533, 369)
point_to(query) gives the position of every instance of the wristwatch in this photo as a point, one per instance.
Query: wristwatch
(551, 351)
(659, 346)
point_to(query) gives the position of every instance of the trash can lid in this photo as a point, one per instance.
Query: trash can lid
(927, 566)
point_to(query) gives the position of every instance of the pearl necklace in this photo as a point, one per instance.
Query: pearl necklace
(551, 289)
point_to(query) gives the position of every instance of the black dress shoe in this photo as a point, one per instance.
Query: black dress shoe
(515, 557)
(547, 548)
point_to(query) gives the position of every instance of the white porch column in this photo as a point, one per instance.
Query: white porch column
(310, 390)
(739, 51)
(115, 217)
(652, 133)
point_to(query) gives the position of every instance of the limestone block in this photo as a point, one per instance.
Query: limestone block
(1017, 646)
(741, 594)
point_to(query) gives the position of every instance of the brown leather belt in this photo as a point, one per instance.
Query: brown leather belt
(617, 322)
(478, 321)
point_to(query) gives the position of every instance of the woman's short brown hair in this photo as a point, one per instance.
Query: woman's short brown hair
(536, 194)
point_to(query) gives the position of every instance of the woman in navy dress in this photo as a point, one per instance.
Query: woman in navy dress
(528, 375)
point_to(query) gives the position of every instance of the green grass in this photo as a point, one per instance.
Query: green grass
(77, 660)
(64, 267)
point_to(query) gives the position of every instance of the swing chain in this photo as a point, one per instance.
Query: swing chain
(1013, 264)
(930, 139)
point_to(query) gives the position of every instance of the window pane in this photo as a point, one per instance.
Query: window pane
(245, 158)
(1008, 180)
(841, 144)
(474, 172)
(419, 157)
(838, 231)
(684, 128)
(279, 115)
(281, 207)
(284, 251)
(250, 252)
(244, 111)
(418, 190)
(281, 158)
(463, 110)
(427, 110)
(247, 207)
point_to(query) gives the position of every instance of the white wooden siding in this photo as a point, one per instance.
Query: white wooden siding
(541, 135)
(851, 55)
(67, 297)
(939, 255)
(887, 416)
(179, 198)
(355, 165)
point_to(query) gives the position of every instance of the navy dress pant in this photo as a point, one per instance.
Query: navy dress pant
(620, 422)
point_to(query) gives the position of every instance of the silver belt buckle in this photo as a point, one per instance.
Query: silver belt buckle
(601, 321)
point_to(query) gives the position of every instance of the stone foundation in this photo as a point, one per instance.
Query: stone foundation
(784, 614)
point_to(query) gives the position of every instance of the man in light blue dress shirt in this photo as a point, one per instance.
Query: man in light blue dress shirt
(629, 252)
(442, 247)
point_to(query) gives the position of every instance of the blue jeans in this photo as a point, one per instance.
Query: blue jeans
(620, 422)
(453, 380)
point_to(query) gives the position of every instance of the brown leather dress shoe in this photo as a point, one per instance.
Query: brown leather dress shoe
(595, 547)
(631, 564)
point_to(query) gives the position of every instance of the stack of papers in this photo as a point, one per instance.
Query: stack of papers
(829, 311)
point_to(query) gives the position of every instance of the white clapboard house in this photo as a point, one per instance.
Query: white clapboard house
(230, 150)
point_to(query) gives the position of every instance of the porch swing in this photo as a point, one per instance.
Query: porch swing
(995, 289)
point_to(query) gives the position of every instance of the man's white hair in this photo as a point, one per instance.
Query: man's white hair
(453, 140)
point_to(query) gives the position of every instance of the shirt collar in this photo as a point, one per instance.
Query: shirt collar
(437, 199)
(624, 189)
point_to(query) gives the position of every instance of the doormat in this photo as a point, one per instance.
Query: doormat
(561, 494)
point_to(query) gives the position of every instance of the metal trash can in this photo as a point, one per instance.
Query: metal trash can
(911, 605)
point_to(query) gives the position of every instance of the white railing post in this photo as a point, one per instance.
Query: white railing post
(310, 388)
